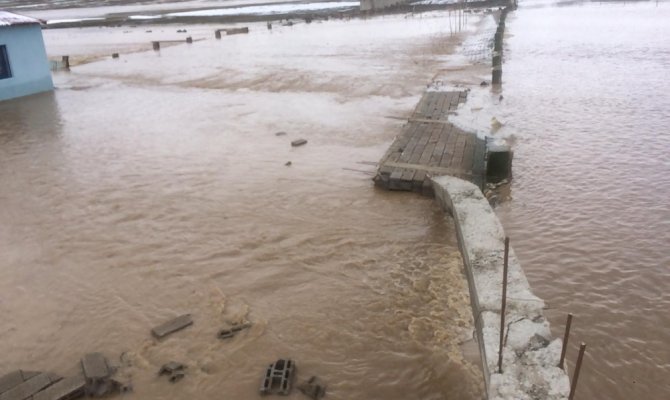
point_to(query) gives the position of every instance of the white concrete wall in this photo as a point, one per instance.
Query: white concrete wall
(28, 61)
(530, 355)
(367, 5)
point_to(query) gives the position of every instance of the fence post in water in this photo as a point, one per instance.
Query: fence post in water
(156, 45)
(497, 42)
(566, 336)
(496, 75)
(504, 304)
(578, 367)
(497, 60)
(217, 34)
(66, 62)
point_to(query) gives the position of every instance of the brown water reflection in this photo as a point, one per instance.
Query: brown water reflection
(133, 195)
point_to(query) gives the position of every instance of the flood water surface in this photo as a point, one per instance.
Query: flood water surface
(586, 106)
(155, 185)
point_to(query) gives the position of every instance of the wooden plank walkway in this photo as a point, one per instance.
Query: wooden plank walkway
(429, 145)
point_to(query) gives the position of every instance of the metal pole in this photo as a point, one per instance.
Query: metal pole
(566, 336)
(504, 305)
(578, 367)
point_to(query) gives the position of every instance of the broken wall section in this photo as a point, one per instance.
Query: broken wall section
(530, 355)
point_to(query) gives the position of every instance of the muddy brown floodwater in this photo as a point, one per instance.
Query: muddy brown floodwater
(586, 105)
(154, 185)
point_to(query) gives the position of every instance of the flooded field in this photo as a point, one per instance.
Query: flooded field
(154, 185)
(586, 106)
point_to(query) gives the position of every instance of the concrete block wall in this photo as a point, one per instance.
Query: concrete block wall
(530, 354)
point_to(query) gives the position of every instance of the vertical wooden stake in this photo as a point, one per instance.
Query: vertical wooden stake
(566, 336)
(504, 305)
(578, 367)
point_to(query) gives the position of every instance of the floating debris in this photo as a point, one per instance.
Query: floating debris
(280, 133)
(68, 388)
(288, 163)
(171, 367)
(279, 378)
(174, 369)
(172, 326)
(97, 374)
(22, 384)
(298, 142)
(313, 388)
(227, 333)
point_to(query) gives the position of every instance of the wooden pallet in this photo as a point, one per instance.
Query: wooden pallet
(429, 145)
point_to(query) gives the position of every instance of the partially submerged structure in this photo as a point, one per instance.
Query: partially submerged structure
(24, 68)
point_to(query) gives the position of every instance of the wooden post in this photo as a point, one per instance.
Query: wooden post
(189, 40)
(566, 336)
(496, 75)
(217, 33)
(497, 42)
(504, 304)
(156, 45)
(578, 367)
(66, 62)
(497, 60)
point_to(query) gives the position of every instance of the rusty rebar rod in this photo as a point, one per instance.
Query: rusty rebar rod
(566, 336)
(504, 305)
(578, 367)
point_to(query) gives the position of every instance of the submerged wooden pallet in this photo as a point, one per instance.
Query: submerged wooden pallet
(429, 145)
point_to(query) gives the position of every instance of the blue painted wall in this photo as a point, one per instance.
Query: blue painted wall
(28, 61)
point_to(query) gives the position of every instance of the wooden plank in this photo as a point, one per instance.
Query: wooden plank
(10, 380)
(66, 389)
(172, 326)
(430, 144)
(448, 154)
(457, 159)
(28, 388)
(440, 146)
(419, 176)
(468, 155)
(29, 374)
(423, 137)
(432, 170)
(411, 144)
(401, 142)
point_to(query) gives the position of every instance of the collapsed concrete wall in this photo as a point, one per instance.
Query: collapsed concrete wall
(367, 5)
(530, 355)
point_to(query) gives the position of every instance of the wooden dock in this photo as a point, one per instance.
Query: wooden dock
(429, 145)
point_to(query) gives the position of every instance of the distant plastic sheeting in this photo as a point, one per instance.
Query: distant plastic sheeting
(70, 21)
(433, 2)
